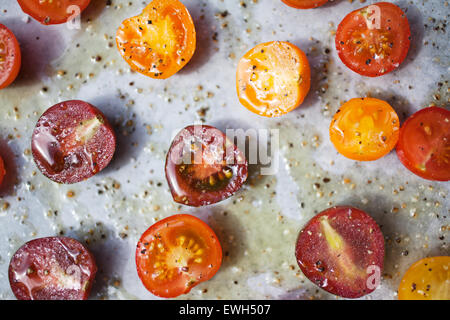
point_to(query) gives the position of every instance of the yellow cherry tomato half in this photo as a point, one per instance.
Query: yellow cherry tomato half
(160, 41)
(427, 279)
(365, 129)
(273, 78)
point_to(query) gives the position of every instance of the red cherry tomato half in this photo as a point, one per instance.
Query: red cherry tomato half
(424, 144)
(176, 254)
(54, 268)
(203, 166)
(304, 4)
(342, 251)
(10, 57)
(374, 40)
(2, 170)
(53, 11)
(72, 142)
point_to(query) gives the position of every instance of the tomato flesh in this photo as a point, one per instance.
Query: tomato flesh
(10, 57)
(53, 11)
(305, 4)
(160, 41)
(374, 40)
(340, 250)
(176, 254)
(365, 129)
(427, 279)
(424, 144)
(72, 141)
(203, 166)
(53, 268)
(273, 78)
(2, 170)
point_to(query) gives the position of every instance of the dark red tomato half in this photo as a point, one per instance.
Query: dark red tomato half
(72, 142)
(424, 144)
(53, 268)
(203, 166)
(10, 57)
(374, 40)
(2, 170)
(341, 250)
(53, 11)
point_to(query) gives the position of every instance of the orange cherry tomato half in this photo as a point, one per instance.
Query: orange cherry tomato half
(160, 41)
(374, 40)
(427, 279)
(304, 4)
(424, 144)
(176, 254)
(10, 57)
(2, 170)
(273, 78)
(365, 129)
(52, 11)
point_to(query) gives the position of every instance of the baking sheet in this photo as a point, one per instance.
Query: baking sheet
(258, 226)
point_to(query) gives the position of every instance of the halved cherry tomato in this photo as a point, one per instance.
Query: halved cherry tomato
(424, 144)
(342, 251)
(53, 268)
(53, 11)
(273, 78)
(427, 279)
(365, 129)
(374, 40)
(203, 166)
(72, 141)
(160, 41)
(304, 4)
(10, 57)
(176, 254)
(2, 170)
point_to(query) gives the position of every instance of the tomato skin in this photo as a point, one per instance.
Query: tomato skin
(10, 67)
(72, 141)
(375, 52)
(54, 12)
(52, 268)
(2, 170)
(365, 129)
(178, 263)
(273, 78)
(424, 144)
(184, 189)
(305, 4)
(427, 279)
(160, 41)
(337, 248)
